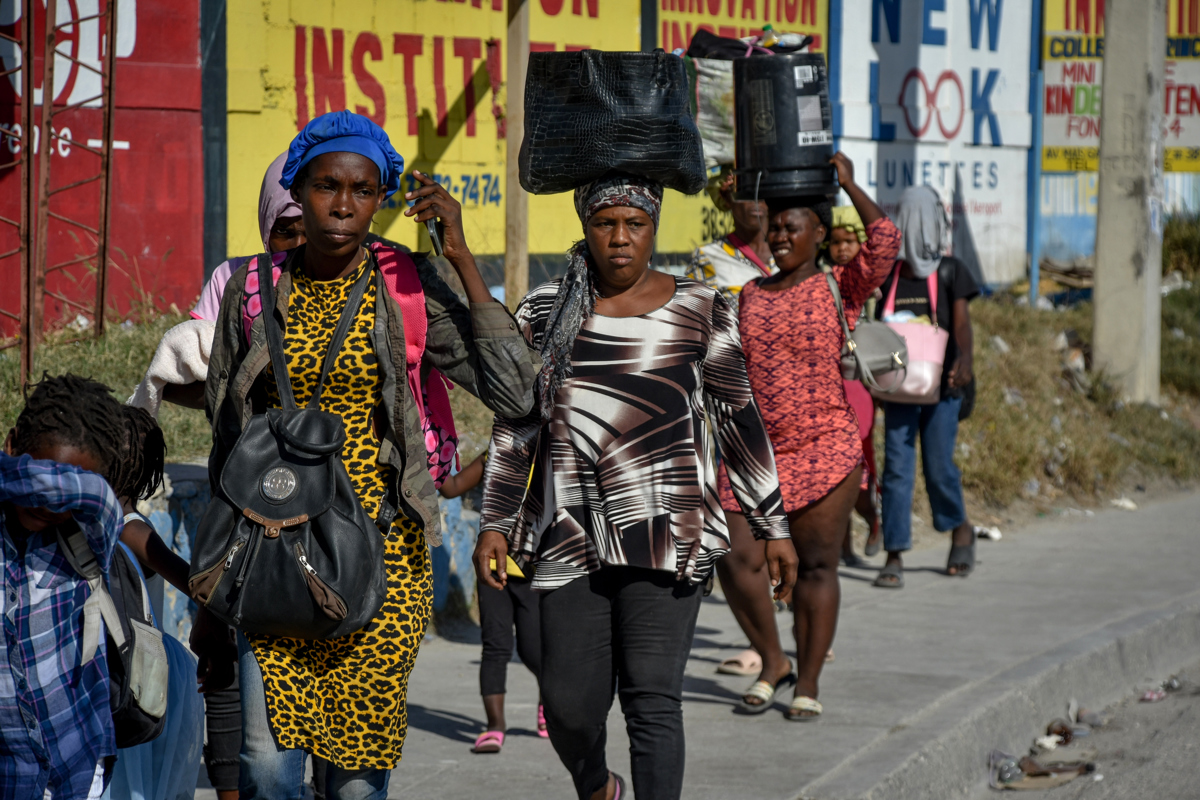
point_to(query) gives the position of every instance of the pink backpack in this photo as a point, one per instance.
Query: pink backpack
(433, 398)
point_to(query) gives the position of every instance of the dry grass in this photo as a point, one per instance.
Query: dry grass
(119, 359)
(1072, 444)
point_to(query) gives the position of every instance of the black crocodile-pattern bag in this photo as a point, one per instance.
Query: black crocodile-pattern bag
(589, 113)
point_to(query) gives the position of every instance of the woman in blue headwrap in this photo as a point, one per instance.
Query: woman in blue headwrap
(344, 699)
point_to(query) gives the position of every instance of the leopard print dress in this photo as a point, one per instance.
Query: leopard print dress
(345, 699)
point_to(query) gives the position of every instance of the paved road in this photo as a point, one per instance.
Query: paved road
(911, 667)
(1149, 750)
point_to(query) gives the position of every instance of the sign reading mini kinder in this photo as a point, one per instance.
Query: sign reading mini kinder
(432, 73)
(937, 92)
(1073, 56)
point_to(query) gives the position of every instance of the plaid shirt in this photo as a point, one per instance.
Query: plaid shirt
(55, 722)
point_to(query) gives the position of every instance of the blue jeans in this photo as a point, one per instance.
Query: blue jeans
(938, 426)
(269, 772)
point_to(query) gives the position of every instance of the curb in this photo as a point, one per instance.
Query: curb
(942, 751)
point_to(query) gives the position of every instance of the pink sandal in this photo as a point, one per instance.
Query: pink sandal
(489, 742)
(542, 732)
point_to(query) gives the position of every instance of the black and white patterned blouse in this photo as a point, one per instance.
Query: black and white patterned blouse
(624, 474)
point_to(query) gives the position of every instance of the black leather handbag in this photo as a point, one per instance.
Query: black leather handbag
(589, 113)
(286, 548)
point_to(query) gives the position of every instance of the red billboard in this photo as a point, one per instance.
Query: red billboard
(156, 244)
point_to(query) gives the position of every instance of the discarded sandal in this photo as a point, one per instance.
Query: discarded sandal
(803, 709)
(747, 662)
(765, 693)
(489, 742)
(890, 577)
(961, 560)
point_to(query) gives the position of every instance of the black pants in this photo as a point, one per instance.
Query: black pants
(632, 628)
(223, 717)
(499, 611)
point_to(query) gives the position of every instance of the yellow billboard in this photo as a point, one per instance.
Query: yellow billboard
(1073, 63)
(690, 221)
(431, 72)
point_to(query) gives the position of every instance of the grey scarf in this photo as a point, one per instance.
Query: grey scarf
(922, 221)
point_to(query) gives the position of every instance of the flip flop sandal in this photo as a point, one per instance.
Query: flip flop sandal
(489, 742)
(829, 657)
(541, 723)
(619, 794)
(962, 558)
(747, 662)
(890, 577)
(803, 709)
(765, 693)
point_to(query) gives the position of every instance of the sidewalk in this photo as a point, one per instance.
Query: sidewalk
(926, 681)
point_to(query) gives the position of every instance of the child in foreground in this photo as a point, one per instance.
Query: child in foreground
(56, 728)
(500, 610)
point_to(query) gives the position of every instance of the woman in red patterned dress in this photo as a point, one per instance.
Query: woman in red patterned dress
(793, 341)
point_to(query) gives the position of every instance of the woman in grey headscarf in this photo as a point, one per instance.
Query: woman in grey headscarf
(606, 493)
(921, 218)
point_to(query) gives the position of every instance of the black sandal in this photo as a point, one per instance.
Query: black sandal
(962, 559)
(890, 577)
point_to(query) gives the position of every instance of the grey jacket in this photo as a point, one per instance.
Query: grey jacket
(480, 349)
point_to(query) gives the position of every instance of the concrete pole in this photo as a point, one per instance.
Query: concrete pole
(516, 201)
(1127, 303)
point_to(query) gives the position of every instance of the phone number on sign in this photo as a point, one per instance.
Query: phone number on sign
(480, 189)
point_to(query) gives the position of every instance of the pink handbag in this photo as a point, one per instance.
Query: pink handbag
(921, 384)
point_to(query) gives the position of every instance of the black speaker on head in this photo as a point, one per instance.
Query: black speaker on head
(784, 134)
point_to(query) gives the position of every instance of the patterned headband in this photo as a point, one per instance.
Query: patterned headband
(619, 190)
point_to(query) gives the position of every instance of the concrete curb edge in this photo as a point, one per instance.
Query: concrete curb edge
(943, 752)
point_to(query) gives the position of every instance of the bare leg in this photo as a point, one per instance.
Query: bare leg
(747, 587)
(818, 531)
(493, 706)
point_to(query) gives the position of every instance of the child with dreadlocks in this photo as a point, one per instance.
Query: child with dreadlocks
(56, 728)
(165, 766)
(137, 476)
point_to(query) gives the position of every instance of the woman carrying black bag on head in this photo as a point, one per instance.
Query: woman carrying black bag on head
(607, 491)
(343, 698)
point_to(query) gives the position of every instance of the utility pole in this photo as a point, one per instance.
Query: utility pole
(1127, 302)
(516, 201)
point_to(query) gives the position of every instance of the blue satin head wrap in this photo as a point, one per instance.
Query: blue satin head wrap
(345, 132)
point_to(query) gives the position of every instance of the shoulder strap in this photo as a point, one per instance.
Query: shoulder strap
(837, 302)
(931, 285)
(889, 305)
(99, 604)
(403, 283)
(275, 336)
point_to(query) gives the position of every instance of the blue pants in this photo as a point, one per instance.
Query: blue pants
(271, 773)
(938, 426)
